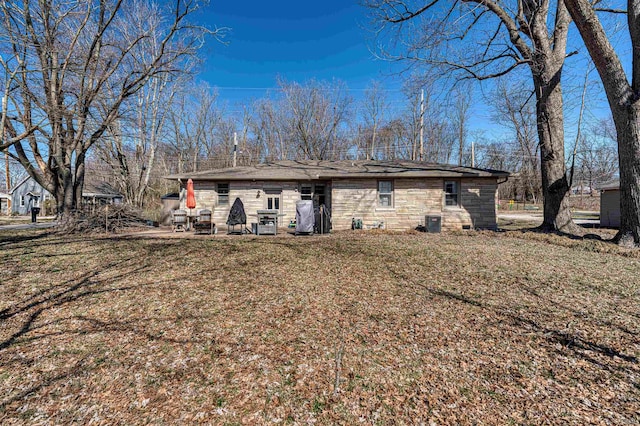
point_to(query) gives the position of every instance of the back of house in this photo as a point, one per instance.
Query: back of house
(395, 195)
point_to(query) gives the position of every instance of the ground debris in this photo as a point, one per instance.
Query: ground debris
(350, 328)
(102, 219)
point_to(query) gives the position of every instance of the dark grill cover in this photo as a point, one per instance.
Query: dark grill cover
(237, 215)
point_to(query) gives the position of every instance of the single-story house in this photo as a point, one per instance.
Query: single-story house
(610, 204)
(101, 193)
(391, 194)
(28, 193)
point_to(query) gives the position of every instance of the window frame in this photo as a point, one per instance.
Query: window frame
(389, 194)
(458, 187)
(309, 195)
(223, 198)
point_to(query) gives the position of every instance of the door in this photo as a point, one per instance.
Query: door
(274, 200)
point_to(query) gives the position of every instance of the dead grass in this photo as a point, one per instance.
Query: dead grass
(371, 328)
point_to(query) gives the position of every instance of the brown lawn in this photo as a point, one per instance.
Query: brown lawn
(369, 328)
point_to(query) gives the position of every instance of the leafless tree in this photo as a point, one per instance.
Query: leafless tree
(514, 109)
(11, 172)
(197, 127)
(482, 39)
(269, 128)
(374, 109)
(131, 143)
(315, 113)
(460, 119)
(79, 61)
(624, 102)
(597, 156)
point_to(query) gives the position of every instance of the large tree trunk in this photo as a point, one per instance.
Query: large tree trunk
(624, 104)
(555, 187)
(64, 194)
(627, 122)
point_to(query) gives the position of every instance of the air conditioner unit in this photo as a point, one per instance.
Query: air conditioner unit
(433, 223)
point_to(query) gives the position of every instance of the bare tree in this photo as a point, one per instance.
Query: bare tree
(597, 156)
(79, 61)
(197, 127)
(514, 109)
(131, 143)
(316, 112)
(624, 103)
(374, 108)
(270, 130)
(499, 38)
(460, 119)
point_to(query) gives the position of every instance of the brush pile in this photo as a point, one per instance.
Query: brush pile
(110, 219)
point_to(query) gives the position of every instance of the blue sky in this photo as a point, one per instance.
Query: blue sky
(295, 40)
(325, 40)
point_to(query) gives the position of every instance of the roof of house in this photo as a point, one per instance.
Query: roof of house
(315, 169)
(612, 185)
(91, 189)
(100, 190)
(19, 184)
(4, 195)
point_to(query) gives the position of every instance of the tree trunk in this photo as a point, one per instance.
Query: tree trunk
(64, 193)
(555, 187)
(624, 104)
(627, 122)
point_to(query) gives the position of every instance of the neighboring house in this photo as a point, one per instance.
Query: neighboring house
(27, 194)
(5, 200)
(101, 193)
(392, 194)
(610, 204)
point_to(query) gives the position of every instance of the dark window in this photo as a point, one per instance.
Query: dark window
(320, 194)
(451, 191)
(223, 194)
(306, 190)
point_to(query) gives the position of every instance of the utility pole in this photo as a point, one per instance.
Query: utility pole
(473, 154)
(235, 147)
(421, 124)
(6, 169)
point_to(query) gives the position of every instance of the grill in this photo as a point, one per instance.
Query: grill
(267, 222)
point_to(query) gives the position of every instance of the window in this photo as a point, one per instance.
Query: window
(451, 189)
(22, 201)
(385, 193)
(313, 191)
(306, 190)
(223, 194)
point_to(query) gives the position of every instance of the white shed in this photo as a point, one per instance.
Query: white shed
(610, 205)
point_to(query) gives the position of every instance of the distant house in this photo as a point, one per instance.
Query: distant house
(5, 200)
(28, 193)
(389, 194)
(610, 204)
(101, 193)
